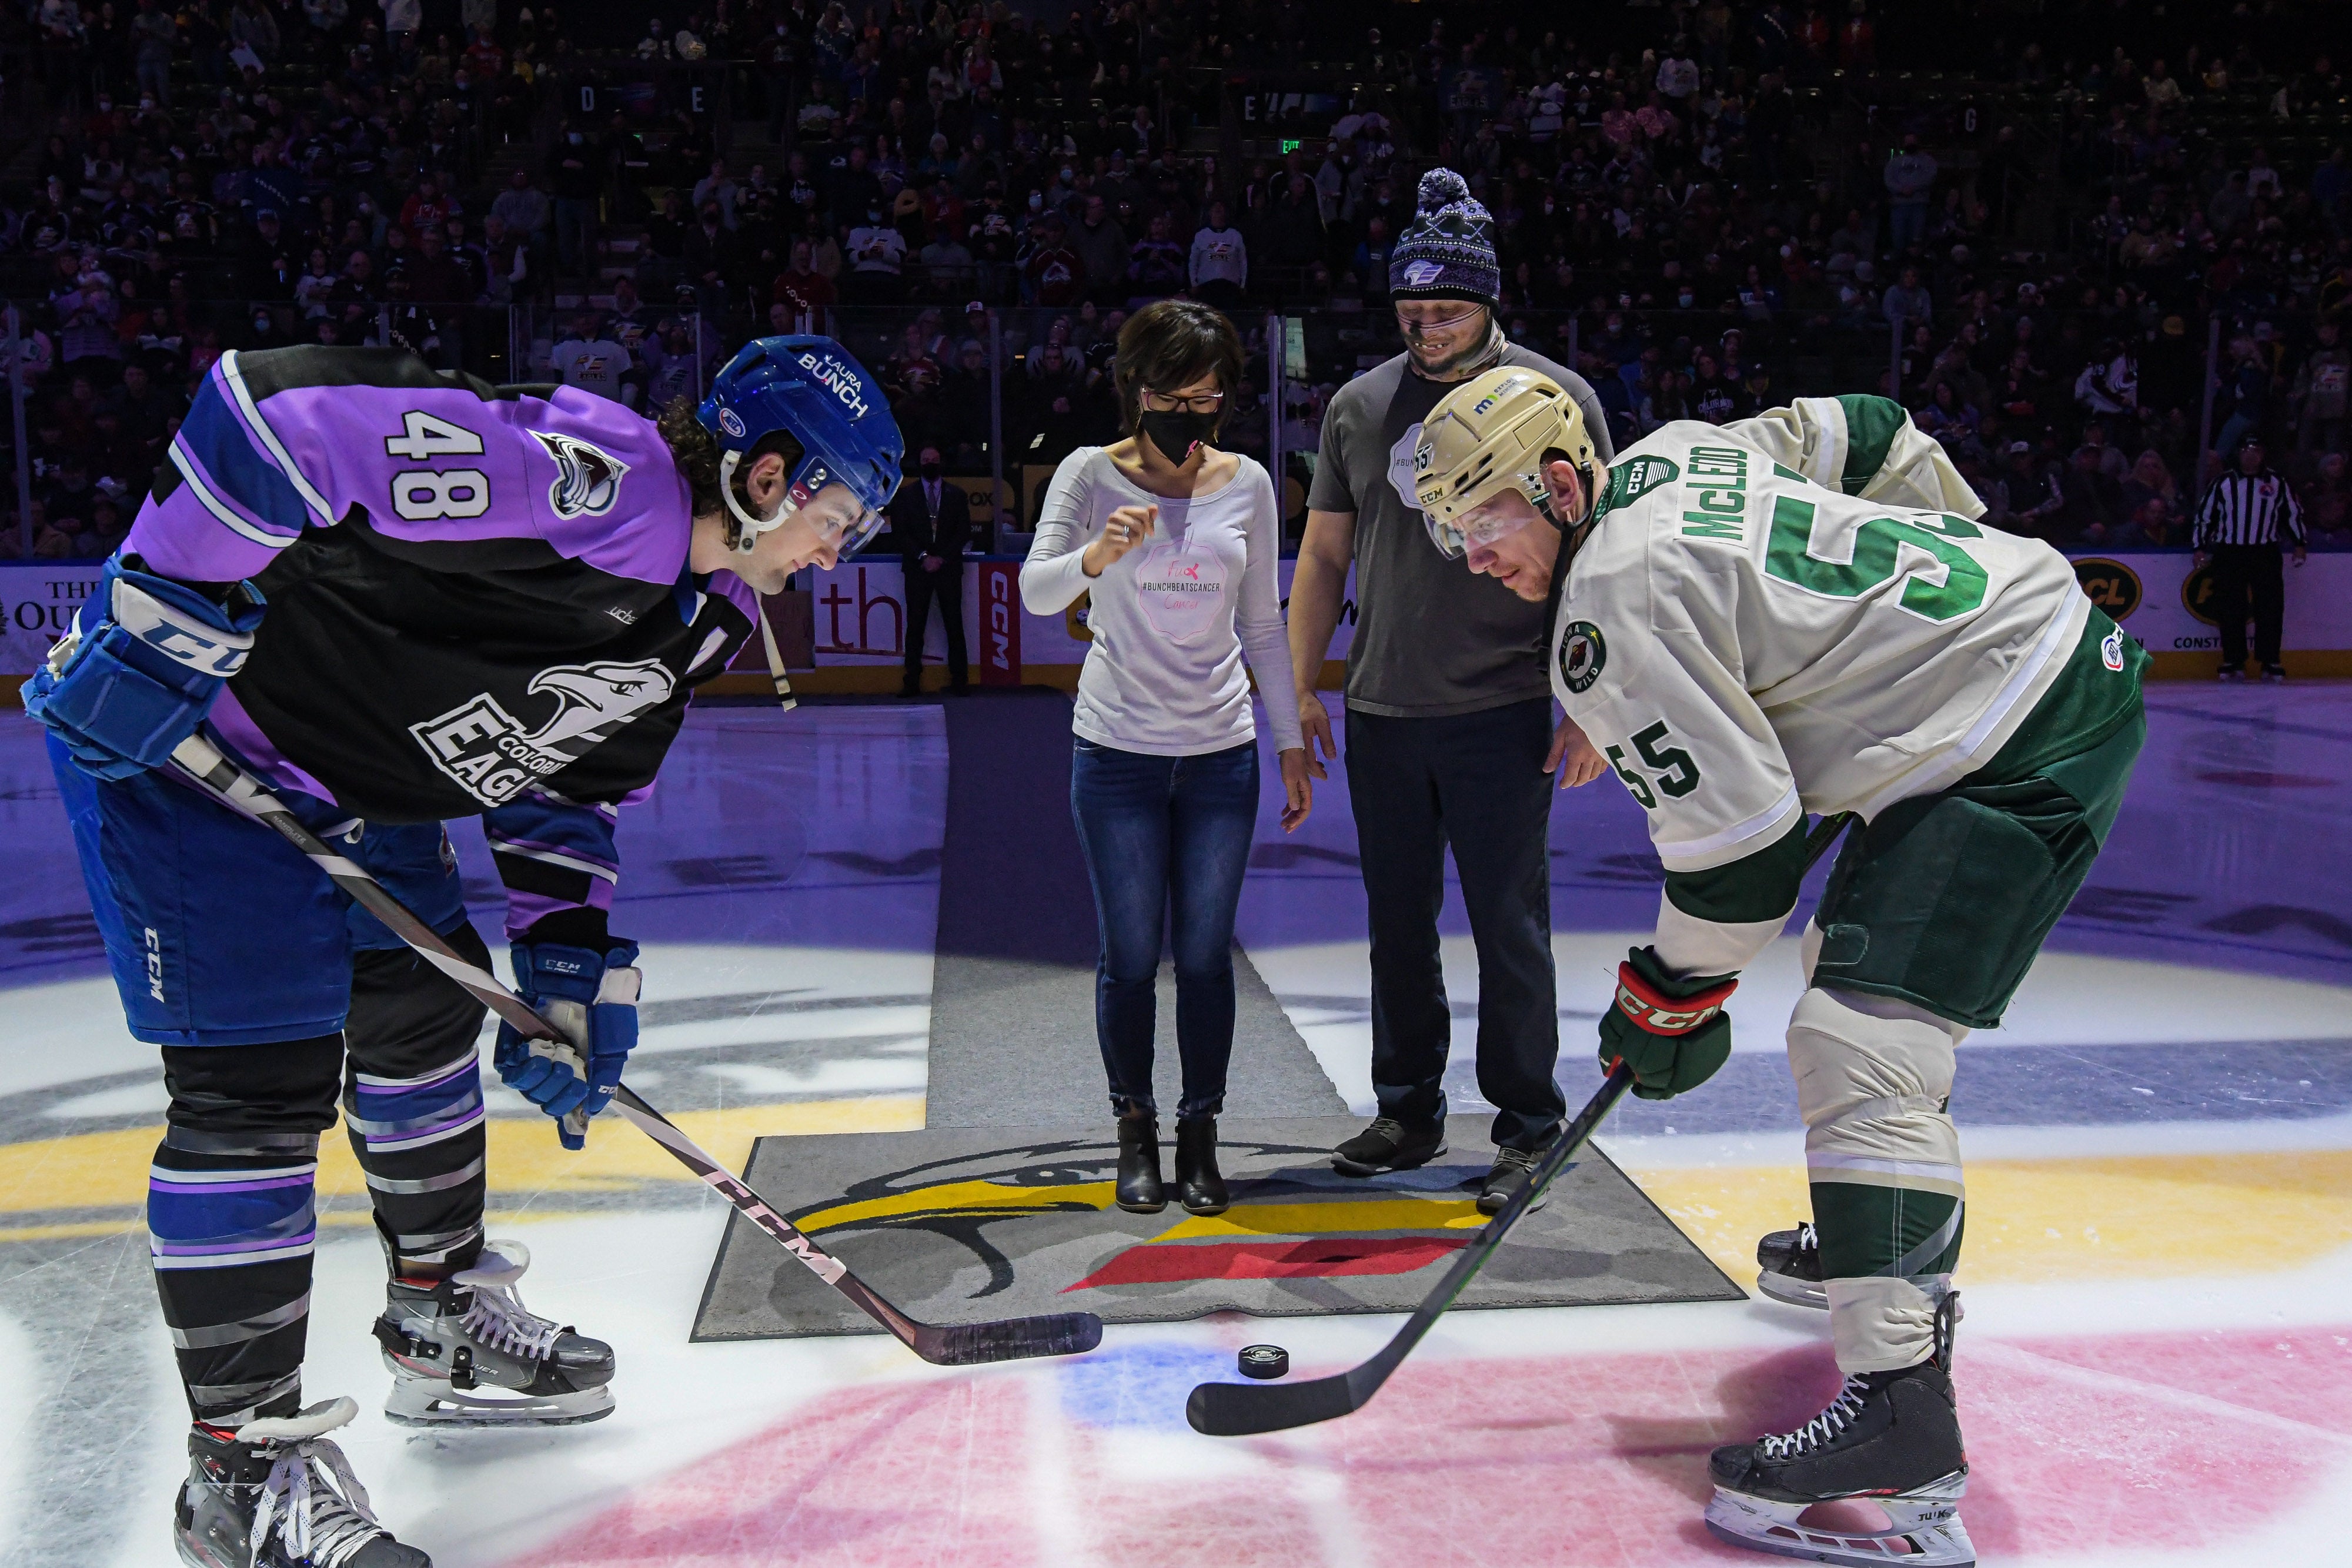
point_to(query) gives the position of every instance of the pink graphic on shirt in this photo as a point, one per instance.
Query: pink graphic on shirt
(1181, 587)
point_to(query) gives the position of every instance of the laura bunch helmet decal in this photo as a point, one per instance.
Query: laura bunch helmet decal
(815, 391)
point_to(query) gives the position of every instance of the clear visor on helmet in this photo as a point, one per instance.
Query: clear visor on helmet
(1498, 516)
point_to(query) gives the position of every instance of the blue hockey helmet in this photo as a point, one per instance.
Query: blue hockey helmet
(815, 391)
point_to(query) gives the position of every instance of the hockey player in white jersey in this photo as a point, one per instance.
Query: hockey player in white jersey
(1798, 614)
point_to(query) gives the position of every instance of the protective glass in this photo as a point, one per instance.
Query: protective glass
(1492, 520)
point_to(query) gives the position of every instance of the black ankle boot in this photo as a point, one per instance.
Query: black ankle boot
(1199, 1186)
(1139, 1191)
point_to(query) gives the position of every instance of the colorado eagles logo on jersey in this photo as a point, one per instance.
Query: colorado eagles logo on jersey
(1581, 655)
(492, 756)
(587, 478)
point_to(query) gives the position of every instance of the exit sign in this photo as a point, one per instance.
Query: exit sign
(1290, 144)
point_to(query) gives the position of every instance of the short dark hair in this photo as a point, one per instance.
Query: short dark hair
(1171, 344)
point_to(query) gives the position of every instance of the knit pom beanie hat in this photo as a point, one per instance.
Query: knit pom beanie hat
(1447, 249)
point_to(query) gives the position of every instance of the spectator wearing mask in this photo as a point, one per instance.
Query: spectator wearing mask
(1176, 543)
(2246, 516)
(1218, 270)
(930, 521)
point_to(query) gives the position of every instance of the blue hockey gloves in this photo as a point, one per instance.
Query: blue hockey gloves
(140, 668)
(590, 995)
(1673, 1033)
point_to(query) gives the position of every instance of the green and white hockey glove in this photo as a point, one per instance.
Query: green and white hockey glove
(1673, 1033)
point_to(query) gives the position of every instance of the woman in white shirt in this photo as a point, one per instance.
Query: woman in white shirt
(1177, 543)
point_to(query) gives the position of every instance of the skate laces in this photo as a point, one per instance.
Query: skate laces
(315, 1503)
(1808, 1238)
(1823, 1428)
(497, 1318)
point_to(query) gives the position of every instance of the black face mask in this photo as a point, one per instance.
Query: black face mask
(1176, 432)
(932, 470)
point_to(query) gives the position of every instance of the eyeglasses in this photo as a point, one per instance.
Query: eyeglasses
(1198, 403)
(1416, 328)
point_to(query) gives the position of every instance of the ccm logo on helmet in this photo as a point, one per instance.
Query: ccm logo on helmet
(838, 378)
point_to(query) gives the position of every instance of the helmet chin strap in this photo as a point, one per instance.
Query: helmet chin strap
(748, 526)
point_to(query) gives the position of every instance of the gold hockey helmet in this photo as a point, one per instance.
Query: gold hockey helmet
(1489, 435)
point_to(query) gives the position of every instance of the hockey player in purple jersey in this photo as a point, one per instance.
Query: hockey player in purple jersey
(402, 596)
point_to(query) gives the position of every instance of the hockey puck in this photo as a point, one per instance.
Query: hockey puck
(1264, 1361)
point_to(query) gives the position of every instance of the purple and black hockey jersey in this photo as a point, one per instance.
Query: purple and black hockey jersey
(479, 600)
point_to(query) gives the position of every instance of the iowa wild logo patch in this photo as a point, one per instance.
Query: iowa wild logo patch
(1581, 655)
(587, 478)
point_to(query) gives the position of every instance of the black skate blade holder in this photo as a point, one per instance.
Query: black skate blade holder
(956, 1344)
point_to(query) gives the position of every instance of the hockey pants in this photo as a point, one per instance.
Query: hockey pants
(269, 994)
(1933, 916)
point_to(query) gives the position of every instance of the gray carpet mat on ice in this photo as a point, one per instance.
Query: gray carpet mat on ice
(964, 1225)
(1012, 988)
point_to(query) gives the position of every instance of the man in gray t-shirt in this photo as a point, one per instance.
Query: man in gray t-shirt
(1451, 740)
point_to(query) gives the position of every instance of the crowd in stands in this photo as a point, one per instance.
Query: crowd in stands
(2027, 222)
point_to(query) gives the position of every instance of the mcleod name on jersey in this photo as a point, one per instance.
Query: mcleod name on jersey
(477, 593)
(1799, 612)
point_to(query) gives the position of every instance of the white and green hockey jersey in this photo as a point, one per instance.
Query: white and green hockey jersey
(1796, 613)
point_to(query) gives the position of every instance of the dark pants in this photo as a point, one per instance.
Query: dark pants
(1474, 781)
(2247, 579)
(1165, 836)
(945, 589)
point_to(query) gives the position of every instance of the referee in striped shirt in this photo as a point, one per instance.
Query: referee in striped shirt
(2237, 531)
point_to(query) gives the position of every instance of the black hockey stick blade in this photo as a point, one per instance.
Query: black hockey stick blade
(1242, 1409)
(1014, 1339)
(968, 1344)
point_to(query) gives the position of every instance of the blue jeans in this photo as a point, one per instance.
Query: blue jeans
(1164, 834)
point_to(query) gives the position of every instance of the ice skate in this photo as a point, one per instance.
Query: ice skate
(275, 1493)
(1790, 1265)
(1891, 1439)
(465, 1353)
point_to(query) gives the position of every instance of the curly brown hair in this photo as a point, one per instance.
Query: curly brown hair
(697, 452)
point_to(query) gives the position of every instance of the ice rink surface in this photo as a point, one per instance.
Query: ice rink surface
(2156, 1365)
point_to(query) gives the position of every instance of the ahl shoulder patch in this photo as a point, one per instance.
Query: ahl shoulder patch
(1582, 654)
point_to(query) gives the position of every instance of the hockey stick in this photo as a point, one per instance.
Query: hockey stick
(957, 1344)
(1240, 1409)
